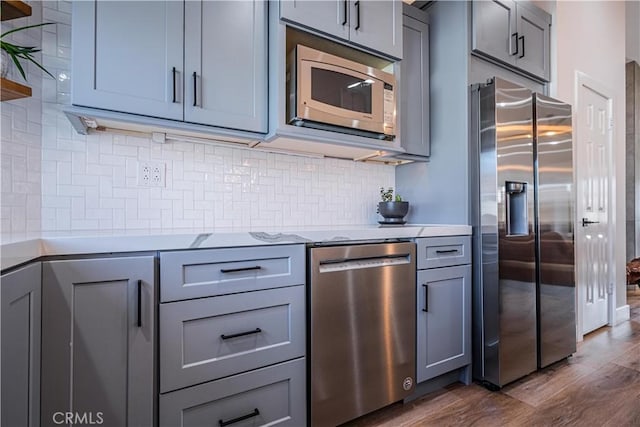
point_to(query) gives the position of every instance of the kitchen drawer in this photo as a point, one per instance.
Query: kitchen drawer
(433, 252)
(210, 338)
(273, 396)
(209, 272)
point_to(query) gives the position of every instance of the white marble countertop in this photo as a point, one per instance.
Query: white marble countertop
(20, 248)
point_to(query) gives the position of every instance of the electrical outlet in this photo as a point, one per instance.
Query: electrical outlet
(151, 174)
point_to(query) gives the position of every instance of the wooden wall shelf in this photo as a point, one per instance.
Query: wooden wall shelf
(13, 90)
(12, 9)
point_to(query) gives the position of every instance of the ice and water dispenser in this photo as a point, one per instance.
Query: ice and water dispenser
(517, 212)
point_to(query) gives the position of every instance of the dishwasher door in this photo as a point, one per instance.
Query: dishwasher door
(362, 329)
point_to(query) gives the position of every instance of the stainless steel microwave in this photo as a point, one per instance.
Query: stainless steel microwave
(334, 93)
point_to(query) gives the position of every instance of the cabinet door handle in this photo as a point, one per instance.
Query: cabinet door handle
(195, 89)
(345, 11)
(448, 251)
(357, 5)
(514, 38)
(255, 413)
(522, 38)
(233, 270)
(241, 334)
(426, 298)
(173, 71)
(139, 303)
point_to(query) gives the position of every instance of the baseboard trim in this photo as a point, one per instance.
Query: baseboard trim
(622, 313)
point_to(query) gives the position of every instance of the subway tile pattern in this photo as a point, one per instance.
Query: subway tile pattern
(90, 182)
(21, 139)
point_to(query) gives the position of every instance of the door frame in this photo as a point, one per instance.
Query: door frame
(582, 79)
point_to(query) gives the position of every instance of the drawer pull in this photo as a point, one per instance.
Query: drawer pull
(241, 334)
(448, 251)
(255, 413)
(233, 270)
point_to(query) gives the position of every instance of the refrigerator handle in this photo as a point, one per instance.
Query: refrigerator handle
(517, 217)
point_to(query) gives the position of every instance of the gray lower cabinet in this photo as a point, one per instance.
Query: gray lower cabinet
(20, 297)
(139, 57)
(98, 339)
(514, 33)
(443, 306)
(444, 320)
(273, 396)
(233, 337)
(414, 108)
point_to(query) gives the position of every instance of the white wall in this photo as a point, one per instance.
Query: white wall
(20, 149)
(90, 182)
(633, 30)
(591, 40)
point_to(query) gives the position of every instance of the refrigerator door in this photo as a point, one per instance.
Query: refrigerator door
(555, 227)
(507, 288)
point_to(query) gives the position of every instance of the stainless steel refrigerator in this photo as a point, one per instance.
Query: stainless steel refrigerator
(523, 221)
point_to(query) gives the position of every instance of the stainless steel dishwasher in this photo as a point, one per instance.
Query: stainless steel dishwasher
(362, 301)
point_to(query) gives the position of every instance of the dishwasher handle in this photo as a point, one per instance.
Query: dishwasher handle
(342, 264)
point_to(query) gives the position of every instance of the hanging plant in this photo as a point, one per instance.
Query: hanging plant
(16, 52)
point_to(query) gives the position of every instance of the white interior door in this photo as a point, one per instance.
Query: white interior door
(594, 258)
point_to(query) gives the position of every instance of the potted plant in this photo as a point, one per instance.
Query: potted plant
(16, 52)
(393, 209)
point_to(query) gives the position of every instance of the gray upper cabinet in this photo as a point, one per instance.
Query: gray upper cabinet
(98, 339)
(514, 34)
(124, 54)
(328, 16)
(534, 42)
(371, 24)
(197, 61)
(493, 23)
(414, 108)
(20, 299)
(226, 64)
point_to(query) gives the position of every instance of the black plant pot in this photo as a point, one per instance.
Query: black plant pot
(393, 212)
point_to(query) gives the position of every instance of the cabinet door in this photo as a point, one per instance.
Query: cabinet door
(533, 52)
(415, 87)
(494, 29)
(20, 297)
(444, 320)
(97, 340)
(226, 64)
(377, 24)
(124, 54)
(327, 16)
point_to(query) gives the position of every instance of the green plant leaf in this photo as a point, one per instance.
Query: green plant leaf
(16, 52)
(25, 28)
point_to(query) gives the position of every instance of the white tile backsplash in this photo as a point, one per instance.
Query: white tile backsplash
(76, 182)
(21, 140)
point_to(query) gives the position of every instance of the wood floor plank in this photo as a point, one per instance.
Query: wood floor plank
(537, 388)
(630, 359)
(609, 394)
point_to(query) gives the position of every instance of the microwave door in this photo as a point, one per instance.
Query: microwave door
(339, 96)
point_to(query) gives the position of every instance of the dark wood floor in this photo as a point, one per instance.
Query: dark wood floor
(598, 386)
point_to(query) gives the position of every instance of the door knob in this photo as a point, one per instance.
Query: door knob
(586, 222)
